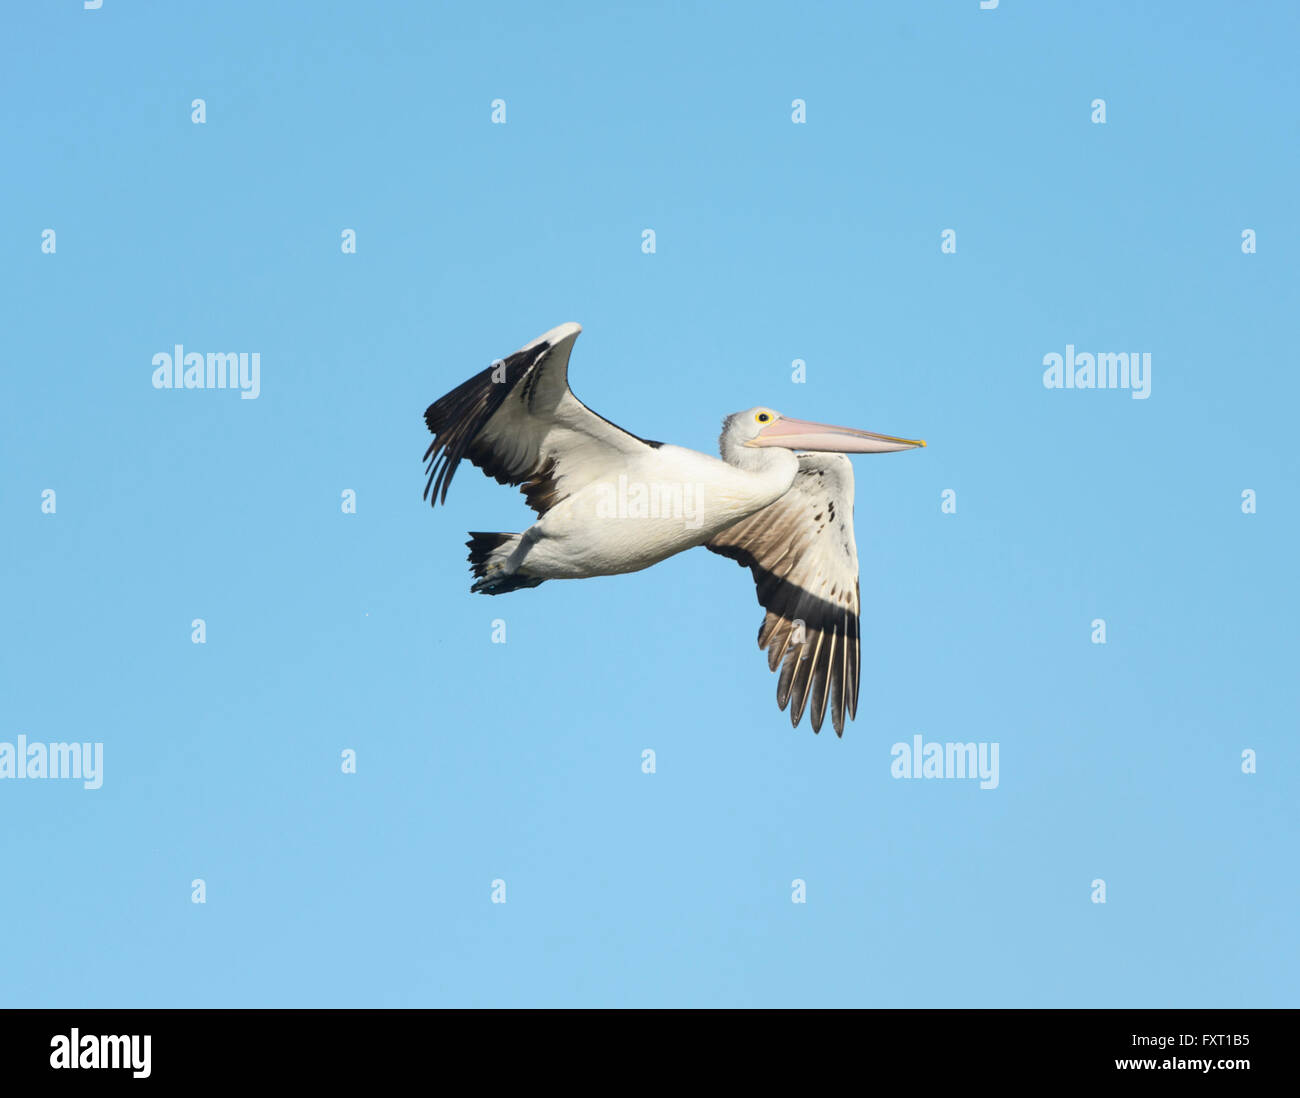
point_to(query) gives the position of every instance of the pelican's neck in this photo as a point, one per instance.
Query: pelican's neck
(773, 468)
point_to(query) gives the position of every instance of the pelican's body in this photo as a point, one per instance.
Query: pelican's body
(643, 511)
(609, 502)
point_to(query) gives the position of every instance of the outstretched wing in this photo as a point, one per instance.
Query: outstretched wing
(805, 565)
(519, 422)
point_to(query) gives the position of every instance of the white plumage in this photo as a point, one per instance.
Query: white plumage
(609, 502)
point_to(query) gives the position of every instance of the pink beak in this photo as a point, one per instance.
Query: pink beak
(799, 434)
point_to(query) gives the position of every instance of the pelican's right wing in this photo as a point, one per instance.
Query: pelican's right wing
(805, 565)
(519, 422)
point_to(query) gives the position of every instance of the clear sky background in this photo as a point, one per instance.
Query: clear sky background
(522, 761)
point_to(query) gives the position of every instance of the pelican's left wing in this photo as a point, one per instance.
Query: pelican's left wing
(805, 565)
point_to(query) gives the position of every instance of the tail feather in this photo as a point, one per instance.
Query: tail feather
(488, 555)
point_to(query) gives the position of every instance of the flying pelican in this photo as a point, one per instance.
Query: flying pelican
(780, 502)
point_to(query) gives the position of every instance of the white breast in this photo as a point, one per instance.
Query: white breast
(648, 509)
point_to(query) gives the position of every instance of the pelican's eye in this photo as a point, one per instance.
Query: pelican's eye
(763, 417)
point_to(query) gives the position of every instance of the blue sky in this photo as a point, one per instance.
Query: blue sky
(522, 761)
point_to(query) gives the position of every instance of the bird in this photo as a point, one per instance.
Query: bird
(779, 501)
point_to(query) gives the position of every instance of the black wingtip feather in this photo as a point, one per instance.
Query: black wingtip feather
(456, 419)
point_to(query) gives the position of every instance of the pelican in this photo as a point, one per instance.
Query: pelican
(780, 502)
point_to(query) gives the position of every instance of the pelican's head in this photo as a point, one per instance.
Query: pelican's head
(764, 427)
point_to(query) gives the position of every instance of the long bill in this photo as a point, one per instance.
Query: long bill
(800, 434)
